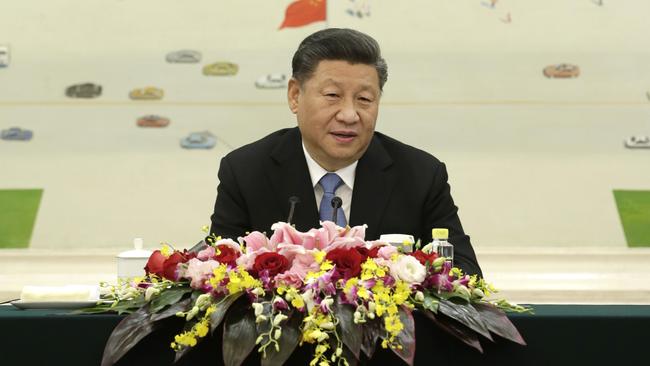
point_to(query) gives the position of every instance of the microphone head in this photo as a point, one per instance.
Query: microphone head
(294, 200)
(337, 202)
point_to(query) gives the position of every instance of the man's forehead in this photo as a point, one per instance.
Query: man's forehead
(341, 73)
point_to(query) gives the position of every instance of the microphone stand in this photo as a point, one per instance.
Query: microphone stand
(337, 202)
(293, 201)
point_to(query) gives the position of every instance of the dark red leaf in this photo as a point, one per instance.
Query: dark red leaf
(217, 316)
(239, 334)
(406, 337)
(498, 323)
(465, 314)
(457, 330)
(172, 310)
(127, 334)
(351, 333)
(288, 341)
(371, 332)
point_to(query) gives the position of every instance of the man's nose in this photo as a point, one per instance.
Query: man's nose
(348, 112)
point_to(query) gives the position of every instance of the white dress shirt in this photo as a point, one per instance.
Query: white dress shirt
(344, 191)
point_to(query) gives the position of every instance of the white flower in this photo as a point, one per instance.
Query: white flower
(408, 269)
(419, 296)
(259, 308)
(279, 319)
(150, 292)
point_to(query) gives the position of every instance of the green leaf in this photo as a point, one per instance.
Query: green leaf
(466, 315)
(239, 333)
(127, 334)
(406, 337)
(457, 330)
(371, 332)
(351, 333)
(430, 303)
(167, 297)
(498, 323)
(288, 341)
(457, 295)
(97, 309)
(222, 307)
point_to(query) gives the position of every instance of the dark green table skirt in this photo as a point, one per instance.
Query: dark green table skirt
(556, 335)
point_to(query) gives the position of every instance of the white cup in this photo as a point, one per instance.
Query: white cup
(401, 241)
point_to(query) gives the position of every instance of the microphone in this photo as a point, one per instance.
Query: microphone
(337, 202)
(293, 201)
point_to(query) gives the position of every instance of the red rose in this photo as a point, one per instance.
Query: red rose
(347, 261)
(169, 267)
(155, 263)
(226, 255)
(272, 262)
(161, 266)
(424, 257)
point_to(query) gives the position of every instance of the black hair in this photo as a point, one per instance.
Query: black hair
(338, 44)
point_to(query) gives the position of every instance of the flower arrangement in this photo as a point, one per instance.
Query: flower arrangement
(327, 287)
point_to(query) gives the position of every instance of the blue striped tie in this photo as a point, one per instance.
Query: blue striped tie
(330, 182)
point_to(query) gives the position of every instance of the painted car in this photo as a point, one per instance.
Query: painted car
(147, 93)
(635, 142)
(4, 56)
(199, 140)
(221, 68)
(271, 81)
(152, 120)
(562, 71)
(184, 57)
(16, 134)
(85, 90)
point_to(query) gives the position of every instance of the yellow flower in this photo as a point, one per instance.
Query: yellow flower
(201, 329)
(319, 255)
(166, 250)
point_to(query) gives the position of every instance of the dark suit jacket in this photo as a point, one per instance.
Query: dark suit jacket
(398, 189)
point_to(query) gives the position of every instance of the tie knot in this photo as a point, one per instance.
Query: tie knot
(330, 182)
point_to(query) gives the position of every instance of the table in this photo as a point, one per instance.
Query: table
(556, 335)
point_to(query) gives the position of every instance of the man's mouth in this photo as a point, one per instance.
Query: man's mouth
(344, 135)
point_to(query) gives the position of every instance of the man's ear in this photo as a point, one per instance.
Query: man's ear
(293, 94)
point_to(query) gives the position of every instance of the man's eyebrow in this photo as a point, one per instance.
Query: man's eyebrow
(364, 86)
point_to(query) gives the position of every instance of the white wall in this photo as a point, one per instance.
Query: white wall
(532, 160)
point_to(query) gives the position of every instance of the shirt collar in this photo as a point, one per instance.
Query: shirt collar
(317, 172)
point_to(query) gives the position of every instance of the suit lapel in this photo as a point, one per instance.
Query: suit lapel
(289, 176)
(373, 183)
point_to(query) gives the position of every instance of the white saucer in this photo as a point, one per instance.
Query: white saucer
(53, 304)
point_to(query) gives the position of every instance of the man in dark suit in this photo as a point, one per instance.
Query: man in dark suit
(338, 77)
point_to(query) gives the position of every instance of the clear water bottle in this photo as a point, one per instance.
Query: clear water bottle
(443, 247)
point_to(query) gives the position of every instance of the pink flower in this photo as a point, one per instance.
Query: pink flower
(386, 251)
(332, 230)
(302, 264)
(289, 278)
(206, 253)
(256, 241)
(285, 233)
(247, 260)
(290, 250)
(345, 243)
(357, 232)
(198, 271)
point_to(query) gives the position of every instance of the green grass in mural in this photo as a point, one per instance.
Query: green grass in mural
(18, 208)
(634, 209)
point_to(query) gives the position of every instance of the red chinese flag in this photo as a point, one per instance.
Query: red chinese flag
(303, 12)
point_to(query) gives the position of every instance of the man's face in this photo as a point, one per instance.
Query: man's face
(336, 111)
